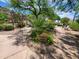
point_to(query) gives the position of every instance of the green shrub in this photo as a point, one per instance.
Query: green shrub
(77, 20)
(3, 18)
(65, 21)
(33, 34)
(50, 25)
(8, 27)
(21, 25)
(49, 40)
(38, 25)
(1, 22)
(1, 27)
(74, 26)
(41, 25)
(39, 28)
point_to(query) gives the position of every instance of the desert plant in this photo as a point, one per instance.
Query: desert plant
(45, 38)
(40, 29)
(49, 40)
(1, 27)
(33, 34)
(74, 26)
(65, 21)
(8, 27)
(50, 25)
(77, 20)
(38, 25)
(21, 25)
(3, 18)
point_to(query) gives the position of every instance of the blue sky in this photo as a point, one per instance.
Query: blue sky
(4, 0)
(66, 14)
(3, 3)
(61, 14)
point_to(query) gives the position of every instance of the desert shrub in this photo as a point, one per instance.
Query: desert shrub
(37, 29)
(45, 38)
(74, 26)
(3, 18)
(41, 29)
(1, 21)
(65, 21)
(41, 25)
(49, 40)
(21, 25)
(1, 27)
(38, 25)
(50, 25)
(34, 34)
(8, 27)
(77, 20)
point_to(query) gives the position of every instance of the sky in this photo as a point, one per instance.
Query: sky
(61, 14)
(66, 14)
(4, 0)
(3, 4)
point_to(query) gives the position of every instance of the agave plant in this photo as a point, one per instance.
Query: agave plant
(38, 25)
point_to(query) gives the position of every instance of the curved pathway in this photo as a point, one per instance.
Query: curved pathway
(66, 46)
(10, 51)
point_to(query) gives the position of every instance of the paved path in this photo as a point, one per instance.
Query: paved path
(64, 47)
(10, 51)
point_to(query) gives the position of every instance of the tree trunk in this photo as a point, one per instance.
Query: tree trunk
(74, 16)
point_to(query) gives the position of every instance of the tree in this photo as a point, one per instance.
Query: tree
(65, 21)
(68, 6)
(76, 9)
(56, 17)
(77, 20)
(37, 7)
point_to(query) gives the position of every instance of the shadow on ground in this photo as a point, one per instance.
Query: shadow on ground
(66, 48)
(72, 41)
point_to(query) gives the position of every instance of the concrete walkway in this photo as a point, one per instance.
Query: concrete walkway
(10, 51)
(65, 46)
